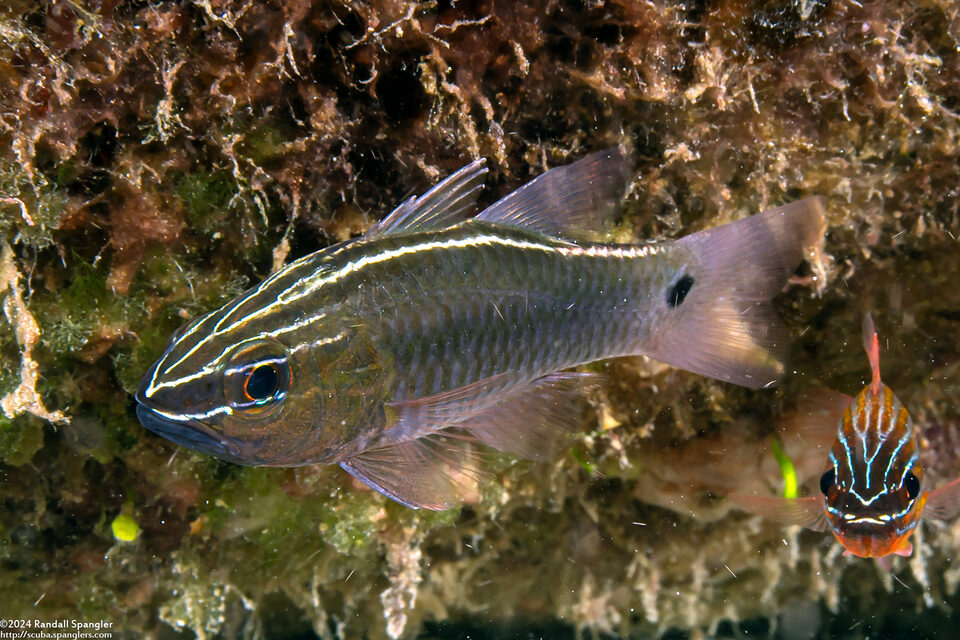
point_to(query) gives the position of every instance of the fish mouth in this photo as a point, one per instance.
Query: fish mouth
(189, 433)
(186, 431)
(867, 521)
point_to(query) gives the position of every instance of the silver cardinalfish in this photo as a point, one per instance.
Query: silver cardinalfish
(396, 353)
(872, 495)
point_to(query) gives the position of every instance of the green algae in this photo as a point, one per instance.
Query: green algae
(206, 197)
(20, 439)
(72, 316)
(32, 206)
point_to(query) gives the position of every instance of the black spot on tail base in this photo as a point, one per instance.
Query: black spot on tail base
(678, 292)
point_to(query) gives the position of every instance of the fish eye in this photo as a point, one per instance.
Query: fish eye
(262, 382)
(827, 480)
(257, 378)
(912, 484)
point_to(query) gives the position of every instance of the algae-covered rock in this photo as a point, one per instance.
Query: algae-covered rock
(157, 158)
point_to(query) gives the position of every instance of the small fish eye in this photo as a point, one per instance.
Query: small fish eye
(912, 484)
(256, 378)
(827, 480)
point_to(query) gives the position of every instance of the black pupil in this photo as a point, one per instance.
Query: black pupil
(262, 382)
(827, 480)
(912, 483)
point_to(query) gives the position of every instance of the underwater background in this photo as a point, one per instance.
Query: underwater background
(156, 158)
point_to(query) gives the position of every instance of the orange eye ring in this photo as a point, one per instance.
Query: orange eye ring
(256, 378)
(261, 382)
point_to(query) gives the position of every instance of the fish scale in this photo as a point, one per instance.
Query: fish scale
(534, 329)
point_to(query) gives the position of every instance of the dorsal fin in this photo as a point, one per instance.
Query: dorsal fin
(871, 345)
(568, 199)
(442, 206)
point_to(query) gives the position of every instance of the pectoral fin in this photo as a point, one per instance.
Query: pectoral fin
(806, 512)
(943, 503)
(813, 423)
(534, 422)
(429, 458)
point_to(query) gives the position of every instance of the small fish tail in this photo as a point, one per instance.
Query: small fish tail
(725, 326)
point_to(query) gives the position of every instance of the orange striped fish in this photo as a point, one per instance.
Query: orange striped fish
(873, 492)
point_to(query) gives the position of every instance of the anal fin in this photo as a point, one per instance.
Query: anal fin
(430, 459)
(437, 471)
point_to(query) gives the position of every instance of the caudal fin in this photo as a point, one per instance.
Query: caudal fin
(719, 321)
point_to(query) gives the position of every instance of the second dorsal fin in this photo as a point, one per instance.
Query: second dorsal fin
(566, 200)
(442, 206)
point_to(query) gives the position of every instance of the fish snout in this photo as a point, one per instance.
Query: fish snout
(190, 396)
